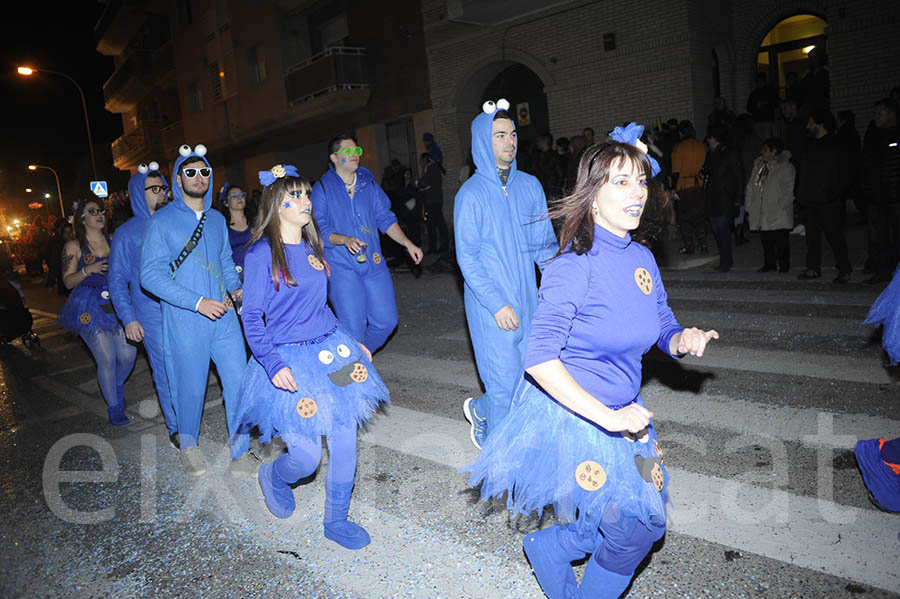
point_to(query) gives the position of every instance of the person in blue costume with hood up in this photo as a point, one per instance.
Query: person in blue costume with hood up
(879, 459)
(351, 208)
(139, 311)
(88, 311)
(186, 262)
(500, 236)
(579, 437)
(308, 377)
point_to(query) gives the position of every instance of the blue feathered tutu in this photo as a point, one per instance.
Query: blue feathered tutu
(886, 312)
(543, 454)
(337, 387)
(88, 310)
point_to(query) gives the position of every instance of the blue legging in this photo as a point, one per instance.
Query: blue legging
(115, 359)
(365, 305)
(304, 455)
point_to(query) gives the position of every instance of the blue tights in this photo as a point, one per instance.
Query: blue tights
(304, 455)
(115, 359)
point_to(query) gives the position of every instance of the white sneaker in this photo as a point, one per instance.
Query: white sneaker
(799, 230)
(192, 461)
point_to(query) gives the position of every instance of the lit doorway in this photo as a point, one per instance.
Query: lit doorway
(793, 56)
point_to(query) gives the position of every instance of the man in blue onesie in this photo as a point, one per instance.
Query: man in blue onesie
(351, 208)
(501, 232)
(191, 270)
(139, 311)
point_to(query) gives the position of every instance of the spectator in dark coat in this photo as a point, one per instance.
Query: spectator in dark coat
(820, 179)
(723, 192)
(431, 189)
(881, 159)
(848, 140)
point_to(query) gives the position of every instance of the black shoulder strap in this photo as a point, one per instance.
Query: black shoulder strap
(175, 264)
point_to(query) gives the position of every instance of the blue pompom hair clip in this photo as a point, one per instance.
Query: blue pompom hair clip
(278, 171)
(631, 135)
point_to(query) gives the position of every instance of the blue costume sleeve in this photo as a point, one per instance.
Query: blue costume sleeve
(563, 288)
(121, 264)
(668, 325)
(468, 232)
(383, 214)
(258, 288)
(320, 209)
(229, 272)
(155, 276)
(541, 232)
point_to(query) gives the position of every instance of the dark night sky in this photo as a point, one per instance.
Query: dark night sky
(41, 117)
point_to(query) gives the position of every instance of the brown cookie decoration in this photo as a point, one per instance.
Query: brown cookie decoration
(376, 258)
(85, 318)
(307, 407)
(656, 475)
(360, 373)
(644, 280)
(89, 258)
(590, 475)
(315, 262)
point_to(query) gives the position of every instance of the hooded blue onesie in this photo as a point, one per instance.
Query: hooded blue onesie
(501, 233)
(130, 301)
(189, 338)
(362, 293)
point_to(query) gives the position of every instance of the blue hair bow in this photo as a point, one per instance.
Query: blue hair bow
(277, 172)
(631, 135)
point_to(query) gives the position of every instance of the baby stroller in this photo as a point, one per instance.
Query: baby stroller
(15, 319)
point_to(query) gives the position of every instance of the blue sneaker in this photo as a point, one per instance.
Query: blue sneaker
(478, 430)
(277, 493)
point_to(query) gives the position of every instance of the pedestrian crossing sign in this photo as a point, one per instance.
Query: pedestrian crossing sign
(98, 188)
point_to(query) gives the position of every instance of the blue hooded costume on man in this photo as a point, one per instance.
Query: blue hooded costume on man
(501, 232)
(360, 288)
(131, 302)
(190, 339)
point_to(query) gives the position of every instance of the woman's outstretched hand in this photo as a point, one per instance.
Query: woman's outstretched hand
(692, 341)
(283, 379)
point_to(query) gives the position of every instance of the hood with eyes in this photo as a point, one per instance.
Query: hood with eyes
(482, 146)
(137, 185)
(186, 152)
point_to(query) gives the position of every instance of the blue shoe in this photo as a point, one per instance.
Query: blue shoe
(478, 430)
(276, 491)
(551, 563)
(600, 583)
(337, 528)
(881, 481)
(117, 416)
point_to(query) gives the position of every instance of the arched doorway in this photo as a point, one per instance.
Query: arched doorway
(793, 56)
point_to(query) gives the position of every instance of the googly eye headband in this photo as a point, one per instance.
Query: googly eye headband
(490, 107)
(148, 168)
(278, 171)
(631, 135)
(185, 150)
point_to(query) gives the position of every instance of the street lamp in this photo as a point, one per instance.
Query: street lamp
(34, 167)
(29, 71)
(46, 196)
(27, 190)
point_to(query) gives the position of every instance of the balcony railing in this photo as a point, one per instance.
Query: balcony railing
(135, 76)
(145, 139)
(337, 68)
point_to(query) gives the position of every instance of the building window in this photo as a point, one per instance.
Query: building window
(196, 97)
(215, 79)
(256, 64)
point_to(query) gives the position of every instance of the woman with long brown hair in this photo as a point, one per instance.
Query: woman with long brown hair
(578, 436)
(308, 377)
(88, 310)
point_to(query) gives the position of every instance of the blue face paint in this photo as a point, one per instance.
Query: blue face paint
(287, 204)
(343, 160)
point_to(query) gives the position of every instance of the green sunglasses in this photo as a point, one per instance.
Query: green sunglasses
(350, 151)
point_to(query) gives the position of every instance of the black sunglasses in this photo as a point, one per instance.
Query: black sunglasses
(190, 173)
(156, 188)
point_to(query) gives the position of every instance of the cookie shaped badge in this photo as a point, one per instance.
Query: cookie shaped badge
(644, 280)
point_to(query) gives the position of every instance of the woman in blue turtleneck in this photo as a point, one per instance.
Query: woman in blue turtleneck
(602, 306)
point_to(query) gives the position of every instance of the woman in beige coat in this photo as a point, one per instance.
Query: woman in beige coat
(769, 200)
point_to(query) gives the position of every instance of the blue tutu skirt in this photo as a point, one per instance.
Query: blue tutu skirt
(544, 454)
(886, 312)
(88, 311)
(337, 387)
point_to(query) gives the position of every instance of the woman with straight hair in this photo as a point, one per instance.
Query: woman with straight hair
(578, 436)
(308, 377)
(234, 206)
(89, 312)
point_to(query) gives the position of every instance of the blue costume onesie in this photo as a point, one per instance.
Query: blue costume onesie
(133, 303)
(361, 291)
(879, 459)
(501, 233)
(190, 339)
(599, 313)
(338, 388)
(89, 313)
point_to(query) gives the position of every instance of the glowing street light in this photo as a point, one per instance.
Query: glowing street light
(34, 167)
(46, 196)
(27, 190)
(27, 71)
